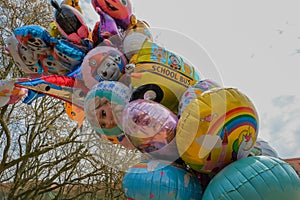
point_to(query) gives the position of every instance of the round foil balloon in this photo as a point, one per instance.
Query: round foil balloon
(102, 63)
(120, 139)
(104, 105)
(193, 91)
(154, 179)
(263, 148)
(256, 177)
(150, 127)
(135, 36)
(161, 75)
(216, 128)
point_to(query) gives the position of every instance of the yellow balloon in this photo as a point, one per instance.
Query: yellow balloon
(165, 73)
(73, 3)
(216, 128)
(53, 30)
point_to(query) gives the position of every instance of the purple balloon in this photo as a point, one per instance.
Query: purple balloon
(151, 128)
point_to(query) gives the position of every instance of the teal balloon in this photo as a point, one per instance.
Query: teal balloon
(256, 177)
(157, 180)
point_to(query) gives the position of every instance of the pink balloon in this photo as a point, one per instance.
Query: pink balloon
(150, 127)
(9, 94)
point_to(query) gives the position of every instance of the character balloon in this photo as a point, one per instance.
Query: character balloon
(106, 29)
(217, 128)
(104, 105)
(160, 75)
(150, 127)
(102, 63)
(75, 113)
(119, 10)
(23, 57)
(71, 24)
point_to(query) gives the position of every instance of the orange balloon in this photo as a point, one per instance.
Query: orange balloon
(75, 113)
(73, 3)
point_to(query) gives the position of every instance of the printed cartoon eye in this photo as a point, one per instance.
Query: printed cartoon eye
(24, 48)
(24, 58)
(124, 2)
(103, 114)
(117, 59)
(93, 62)
(107, 64)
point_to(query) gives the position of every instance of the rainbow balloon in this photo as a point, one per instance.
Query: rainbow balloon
(216, 128)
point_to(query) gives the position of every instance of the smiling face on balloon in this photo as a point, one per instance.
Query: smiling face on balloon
(106, 66)
(117, 9)
(102, 115)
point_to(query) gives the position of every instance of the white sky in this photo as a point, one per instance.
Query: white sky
(253, 46)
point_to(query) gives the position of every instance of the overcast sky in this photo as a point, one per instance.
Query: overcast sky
(253, 46)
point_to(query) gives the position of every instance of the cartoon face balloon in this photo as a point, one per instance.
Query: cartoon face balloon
(35, 38)
(23, 57)
(104, 105)
(70, 22)
(119, 10)
(150, 127)
(102, 63)
(216, 128)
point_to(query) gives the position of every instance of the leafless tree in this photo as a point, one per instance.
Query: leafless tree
(43, 154)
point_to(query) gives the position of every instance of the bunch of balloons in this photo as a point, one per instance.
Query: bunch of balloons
(199, 138)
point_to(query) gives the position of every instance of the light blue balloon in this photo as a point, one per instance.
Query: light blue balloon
(256, 177)
(157, 180)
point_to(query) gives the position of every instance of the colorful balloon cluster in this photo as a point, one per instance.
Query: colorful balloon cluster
(138, 94)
